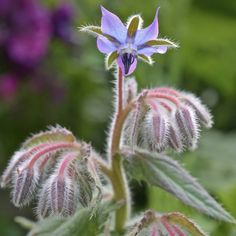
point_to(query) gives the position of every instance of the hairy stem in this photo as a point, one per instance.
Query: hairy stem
(118, 178)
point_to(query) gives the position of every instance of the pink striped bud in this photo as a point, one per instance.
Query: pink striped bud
(201, 110)
(15, 161)
(59, 195)
(156, 130)
(25, 182)
(175, 138)
(64, 167)
(86, 183)
(187, 123)
(134, 125)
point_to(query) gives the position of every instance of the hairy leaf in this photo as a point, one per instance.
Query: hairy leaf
(88, 221)
(46, 227)
(162, 171)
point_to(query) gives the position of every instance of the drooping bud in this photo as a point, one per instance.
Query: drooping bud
(59, 195)
(156, 130)
(170, 224)
(86, 184)
(201, 110)
(43, 207)
(15, 161)
(175, 137)
(134, 124)
(25, 181)
(187, 123)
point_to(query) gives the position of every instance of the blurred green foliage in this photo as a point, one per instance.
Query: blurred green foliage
(204, 64)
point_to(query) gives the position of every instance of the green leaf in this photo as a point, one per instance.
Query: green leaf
(110, 59)
(89, 221)
(161, 42)
(53, 134)
(46, 227)
(177, 218)
(24, 222)
(133, 25)
(162, 171)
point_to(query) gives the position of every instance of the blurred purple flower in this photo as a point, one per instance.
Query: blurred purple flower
(126, 43)
(62, 18)
(5, 6)
(8, 86)
(29, 33)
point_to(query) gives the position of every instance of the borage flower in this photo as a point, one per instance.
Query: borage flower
(127, 43)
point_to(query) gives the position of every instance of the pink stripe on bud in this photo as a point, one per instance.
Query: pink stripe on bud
(178, 231)
(154, 230)
(168, 227)
(168, 91)
(168, 97)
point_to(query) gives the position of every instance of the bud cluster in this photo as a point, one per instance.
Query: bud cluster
(55, 168)
(164, 117)
(169, 224)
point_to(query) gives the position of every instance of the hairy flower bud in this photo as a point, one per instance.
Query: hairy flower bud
(86, 184)
(15, 161)
(172, 119)
(56, 168)
(25, 181)
(201, 110)
(187, 123)
(159, 130)
(175, 138)
(59, 195)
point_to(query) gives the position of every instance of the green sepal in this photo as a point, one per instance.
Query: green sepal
(133, 25)
(146, 59)
(161, 42)
(110, 59)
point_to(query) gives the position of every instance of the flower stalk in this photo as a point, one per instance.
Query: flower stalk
(118, 178)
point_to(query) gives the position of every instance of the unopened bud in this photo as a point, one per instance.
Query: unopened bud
(201, 110)
(25, 181)
(15, 161)
(63, 196)
(175, 138)
(187, 123)
(86, 184)
(156, 130)
(134, 124)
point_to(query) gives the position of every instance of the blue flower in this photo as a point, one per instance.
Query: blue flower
(125, 44)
